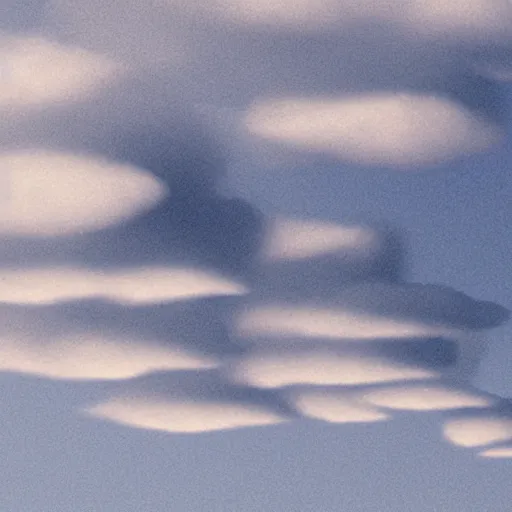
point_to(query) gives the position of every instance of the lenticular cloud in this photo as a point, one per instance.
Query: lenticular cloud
(384, 129)
(144, 285)
(362, 376)
(98, 340)
(37, 72)
(351, 346)
(120, 261)
(51, 193)
(188, 404)
(400, 85)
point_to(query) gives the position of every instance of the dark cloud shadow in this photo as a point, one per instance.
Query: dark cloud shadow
(196, 325)
(211, 231)
(130, 123)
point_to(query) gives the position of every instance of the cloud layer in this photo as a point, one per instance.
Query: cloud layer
(121, 261)
(224, 375)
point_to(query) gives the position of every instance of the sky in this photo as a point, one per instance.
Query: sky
(255, 256)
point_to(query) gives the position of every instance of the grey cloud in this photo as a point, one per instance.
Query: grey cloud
(262, 57)
(427, 303)
(211, 232)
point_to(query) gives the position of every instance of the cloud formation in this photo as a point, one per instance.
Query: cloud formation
(49, 193)
(425, 398)
(478, 432)
(392, 129)
(316, 319)
(145, 285)
(64, 73)
(392, 98)
(189, 404)
(161, 320)
(96, 340)
(348, 383)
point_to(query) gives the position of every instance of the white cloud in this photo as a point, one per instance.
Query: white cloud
(49, 193)
(136, 285)
(318, 366)
(335, 407)
(303, 323)
(92, 355)
(375, 129)
(91, 340)
(186, 403)
(425, 397)
(158, 413)
(37, 72)
(424, 17)
(301, 259)
(478, 431)
(294, 239)
(368, 310)
(502, 452)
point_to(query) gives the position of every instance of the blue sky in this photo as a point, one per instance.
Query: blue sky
(229, 214)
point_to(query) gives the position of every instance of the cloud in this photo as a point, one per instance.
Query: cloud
(320, 366)
(191, 417)
(392, 99)
(294, 239)
(148, 33)
(99, 340)
(332, 335)
(303, 323)
(143, 285)
(429, 397)
(143, 345)
(117, 244)
(478, 431)
(393, 129)
(428, 18)
(36, 71)
(335, 406)
(180, 405)
(504, 452)
(326, 256)
(93, 355)
(271, 362)
(461, 19)
(372, 310)
(51, 193)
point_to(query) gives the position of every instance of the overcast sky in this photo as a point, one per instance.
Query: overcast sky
(255, 256)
